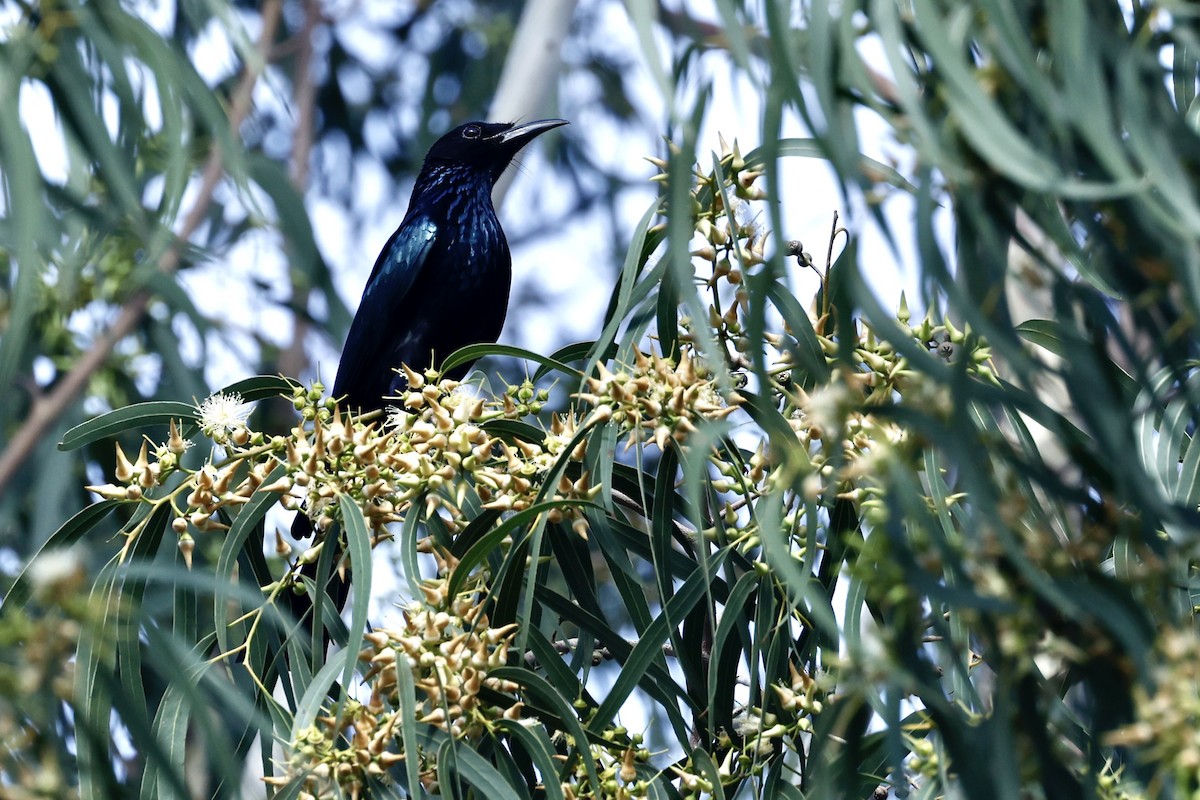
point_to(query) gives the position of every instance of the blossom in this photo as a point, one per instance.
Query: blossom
(657, 398)
(223, 414)
(55, 573)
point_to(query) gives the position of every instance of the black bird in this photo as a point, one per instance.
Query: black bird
(442, 280)
(440, 284)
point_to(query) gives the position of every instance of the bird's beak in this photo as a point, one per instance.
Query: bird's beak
(521, 135)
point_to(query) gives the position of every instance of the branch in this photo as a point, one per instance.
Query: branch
(293, 360)
(304, 95)
(46, 409)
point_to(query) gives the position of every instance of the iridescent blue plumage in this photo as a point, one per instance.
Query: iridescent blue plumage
(441, 282)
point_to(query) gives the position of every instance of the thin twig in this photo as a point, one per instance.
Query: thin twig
(833, 234)
(304, 95)
(293, 360)
(46, 409)
(599, 654)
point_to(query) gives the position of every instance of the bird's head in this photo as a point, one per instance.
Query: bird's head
(487, 146)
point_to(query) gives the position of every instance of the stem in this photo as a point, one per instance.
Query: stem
(293, 360)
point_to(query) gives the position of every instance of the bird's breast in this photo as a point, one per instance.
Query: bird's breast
(475, 247)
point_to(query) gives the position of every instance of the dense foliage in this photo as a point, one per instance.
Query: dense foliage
(752, 540)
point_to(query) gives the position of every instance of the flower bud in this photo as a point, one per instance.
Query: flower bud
(186, 545)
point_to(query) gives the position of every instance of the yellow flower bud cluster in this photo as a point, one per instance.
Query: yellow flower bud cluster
(142, 474)
(40, 640)
(658, 399)
(624, 772)
(923, 756)
(448, 647)
(727, 239)
(434, 446)
(1164, 729)
(205, 493)
(756, 736)
(800, 698)
(843, 446)
(845, 442)
(325, 767)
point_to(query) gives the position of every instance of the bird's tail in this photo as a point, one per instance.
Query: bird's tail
(336, 588)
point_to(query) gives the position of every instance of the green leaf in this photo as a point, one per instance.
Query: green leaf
(138, 415)
(624, 295)
(574, 352)
(544, 694)
(536, 743)
(648, 649)
(170, 731)
(735, 619)
(1055, 337)
(463, 762)
(271, 176)
(358, 544)
(247, 522)
(260, 387)
(317, 694)
(703, 764)
(408, 722)
(875, 171)
(489, 542)
(474, 352)
(71, 532)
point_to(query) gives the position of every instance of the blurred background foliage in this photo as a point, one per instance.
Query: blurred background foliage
(1007, 611)
(156, 151)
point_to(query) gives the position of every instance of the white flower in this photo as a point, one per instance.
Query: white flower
(747, 722)
(465, 393)
(222, 414)
(53, 571)
(826, 407)
(396, 418)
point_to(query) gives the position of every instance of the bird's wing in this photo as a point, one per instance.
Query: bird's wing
(401, 259)
(395, 271)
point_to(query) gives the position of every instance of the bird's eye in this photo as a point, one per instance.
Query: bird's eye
(472, 132)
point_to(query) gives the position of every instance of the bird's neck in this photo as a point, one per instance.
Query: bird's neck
(457, 191)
